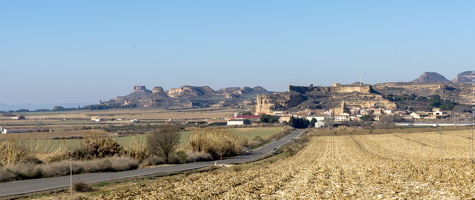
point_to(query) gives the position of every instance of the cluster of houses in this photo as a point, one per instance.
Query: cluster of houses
(343, 114)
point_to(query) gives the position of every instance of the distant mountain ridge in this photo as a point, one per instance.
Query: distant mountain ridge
(185, 97)
(33, 107)
(244, 97)
(434, 77)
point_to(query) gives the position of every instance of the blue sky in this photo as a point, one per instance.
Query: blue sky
(83, 51)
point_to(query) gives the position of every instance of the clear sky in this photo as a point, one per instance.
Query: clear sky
(83, 51)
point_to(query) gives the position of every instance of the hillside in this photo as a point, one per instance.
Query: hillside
(431, 77)
(184, 97)
(364, 95)
(464, 77)
(303, 97)
(297, 97)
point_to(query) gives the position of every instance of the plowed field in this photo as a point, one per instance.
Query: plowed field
(429, 165)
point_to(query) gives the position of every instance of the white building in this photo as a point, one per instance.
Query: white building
(439, 112)
(342, 117)
(97, 119)
(389, 111)
(319, 124)
(9, 130)
(237, 122)
(318, 118)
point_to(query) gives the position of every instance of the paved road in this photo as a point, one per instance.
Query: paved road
(36, 185)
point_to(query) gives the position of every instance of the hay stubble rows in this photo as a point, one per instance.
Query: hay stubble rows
(426, 165)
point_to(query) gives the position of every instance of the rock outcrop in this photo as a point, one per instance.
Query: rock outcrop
(298, 97)
(190, 92)
(138, 92)
(459, 92)
(464, 77)
(186, 96)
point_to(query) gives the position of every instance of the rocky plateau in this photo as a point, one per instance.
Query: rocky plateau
(297, 97)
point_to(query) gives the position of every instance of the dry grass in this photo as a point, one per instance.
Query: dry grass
(56, 134)
(66, 124)
(30, 170)
(217, 142)
(148, 113)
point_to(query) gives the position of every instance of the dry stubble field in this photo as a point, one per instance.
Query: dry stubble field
(67, 123)
(426, 165)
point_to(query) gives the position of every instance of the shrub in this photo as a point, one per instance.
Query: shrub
(60, 168)
(123, 163)
(26, 170)
(94, 146)
(217, 142)
(138, 152)
(254, 143)
(178, 157)
(11, 153)
(258, 138)
(31, 170)
(7, 175)
(82, 187)
(152, 160)
(198, 156)
(98, 165)
(163, 142)
(237, 169)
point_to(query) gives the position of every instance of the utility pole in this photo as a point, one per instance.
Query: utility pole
(360, 79)
(440, 134)
(71, 176)
(473, 112)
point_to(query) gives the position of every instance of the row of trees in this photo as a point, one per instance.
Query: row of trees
(216, 142)
(299, 122)
(294, 122)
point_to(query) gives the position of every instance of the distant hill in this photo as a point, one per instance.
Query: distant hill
(298, 97)
(464, 77)
(185, 97)
(32, 107)
(431, 77)
(383, 95)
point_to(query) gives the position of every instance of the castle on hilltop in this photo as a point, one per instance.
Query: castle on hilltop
(337, 87)
(319, 97)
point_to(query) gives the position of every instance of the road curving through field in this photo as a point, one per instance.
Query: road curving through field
(38, 185)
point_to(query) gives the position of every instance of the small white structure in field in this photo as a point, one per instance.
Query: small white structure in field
(318, 118)
(319, 124)
(97, 119)
(9, 130)
(238, 122)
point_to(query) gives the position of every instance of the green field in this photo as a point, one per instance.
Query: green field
(133, 141)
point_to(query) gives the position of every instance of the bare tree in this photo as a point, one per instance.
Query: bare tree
(163, 142)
